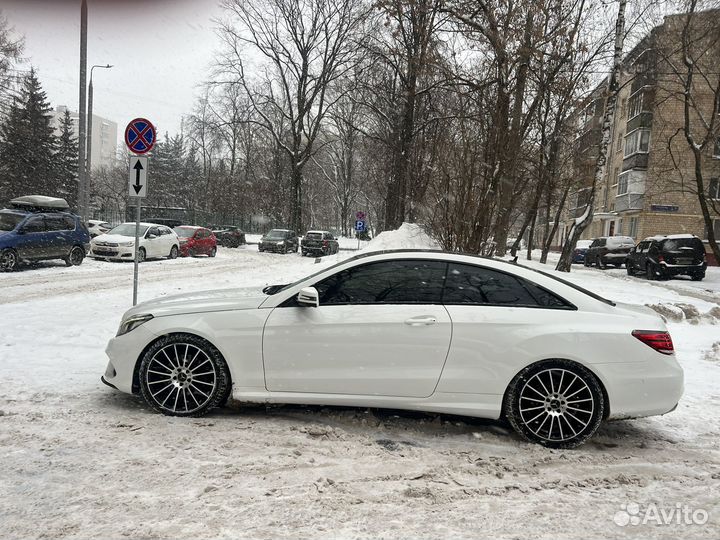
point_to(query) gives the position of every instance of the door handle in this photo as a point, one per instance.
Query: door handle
(420, 321)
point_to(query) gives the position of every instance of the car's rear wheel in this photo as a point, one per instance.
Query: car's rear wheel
(9, 260)
(649, 271)
(173, 252)
(556, 403)
(183, 375)
(75, 257)
(697, 277)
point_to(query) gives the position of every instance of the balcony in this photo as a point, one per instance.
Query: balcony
(629, 201)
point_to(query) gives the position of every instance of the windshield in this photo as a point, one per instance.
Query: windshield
(128, 229)
(276, 235)
(314, 236)
(184, 232)
(8, 221)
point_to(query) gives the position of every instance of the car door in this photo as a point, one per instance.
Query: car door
(58, 233)
(168, 240)
(494, 315)
(33, 243)
(153, 242)
(380, 329)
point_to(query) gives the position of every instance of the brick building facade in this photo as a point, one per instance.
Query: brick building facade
(648, 187)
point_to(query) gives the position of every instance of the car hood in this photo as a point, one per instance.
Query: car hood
(201, 302)
(115, 238)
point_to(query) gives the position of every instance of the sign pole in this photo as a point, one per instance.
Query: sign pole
(137, 250)
(140, 138)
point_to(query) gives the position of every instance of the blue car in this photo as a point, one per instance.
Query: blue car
(38, 228)
(580, 250)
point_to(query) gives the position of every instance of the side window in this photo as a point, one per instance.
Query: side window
(153, 230)
(595, 243)
(55, 223)
(468, 284)
(390, 282)
(70, 223)
(34, 224)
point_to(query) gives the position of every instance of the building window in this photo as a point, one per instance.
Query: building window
(716, 150)
(619, 146)
(623, 108)
(637, 141)
(622, 185)
(632, 227)
(635, 105)
(714, 188)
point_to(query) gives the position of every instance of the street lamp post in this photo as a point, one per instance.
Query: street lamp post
(88, 168)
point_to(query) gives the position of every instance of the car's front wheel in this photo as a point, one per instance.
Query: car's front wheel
(183, 375)
(173, 252)
(213, 252)
(556, 403)
(75, 257)
(9, 260)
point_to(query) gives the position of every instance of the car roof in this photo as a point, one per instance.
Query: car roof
(189, 227)
(317, 231)
(660, 237)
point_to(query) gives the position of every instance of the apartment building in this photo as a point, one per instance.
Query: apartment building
(104, 136)
(648, 187)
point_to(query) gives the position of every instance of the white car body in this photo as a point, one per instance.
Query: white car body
(122, 246)
(97, 227)
(455, 359)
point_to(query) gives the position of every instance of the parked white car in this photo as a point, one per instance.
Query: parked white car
(422, 330)
(119, 243)
(97, 227)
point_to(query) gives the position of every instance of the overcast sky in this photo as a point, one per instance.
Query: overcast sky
(160, 49)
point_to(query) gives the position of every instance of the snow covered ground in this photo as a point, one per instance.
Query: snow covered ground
(80, 460)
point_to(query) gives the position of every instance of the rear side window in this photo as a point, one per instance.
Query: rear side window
(467, 284)
(386, 282)
(59, 223)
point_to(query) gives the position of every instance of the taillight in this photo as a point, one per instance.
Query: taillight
(661, 258)
(660, 341)
(325, 243)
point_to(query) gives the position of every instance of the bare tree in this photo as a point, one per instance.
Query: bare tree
(305, 45)
(582, 222)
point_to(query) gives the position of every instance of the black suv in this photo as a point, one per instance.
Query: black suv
(609, 250)
(661, 257)
(319, 243)
(279, 241)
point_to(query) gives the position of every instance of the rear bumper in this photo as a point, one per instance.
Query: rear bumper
(678, 270)
(641, 389)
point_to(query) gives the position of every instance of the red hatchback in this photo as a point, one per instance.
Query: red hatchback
(196, 241)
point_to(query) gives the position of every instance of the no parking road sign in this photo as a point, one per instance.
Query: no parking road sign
(140, 136)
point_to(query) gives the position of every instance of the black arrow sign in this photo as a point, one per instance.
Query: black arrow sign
(138, 186)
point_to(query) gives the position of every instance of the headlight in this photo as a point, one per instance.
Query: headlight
(131, 323)
(127, 244)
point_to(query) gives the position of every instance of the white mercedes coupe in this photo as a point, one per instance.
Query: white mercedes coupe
(421, 330)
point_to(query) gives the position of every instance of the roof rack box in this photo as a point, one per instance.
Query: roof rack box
(39, 203)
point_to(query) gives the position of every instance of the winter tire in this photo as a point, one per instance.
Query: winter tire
(184, 375)
(697, 277)
(555, 403)
(649, 272)
(8, 260)
(173, 252)
(75, 257)
(213, 252)
(141, 255)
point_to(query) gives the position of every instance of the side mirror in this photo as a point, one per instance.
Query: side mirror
(309, 297)
(151, 236)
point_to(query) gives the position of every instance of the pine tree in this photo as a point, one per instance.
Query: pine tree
(28, 145)
(67, 161)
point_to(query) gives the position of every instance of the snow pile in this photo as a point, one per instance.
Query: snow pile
(408, 236)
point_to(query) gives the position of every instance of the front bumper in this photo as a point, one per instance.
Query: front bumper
(274, 247)
(120, 253)
(123, 353)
